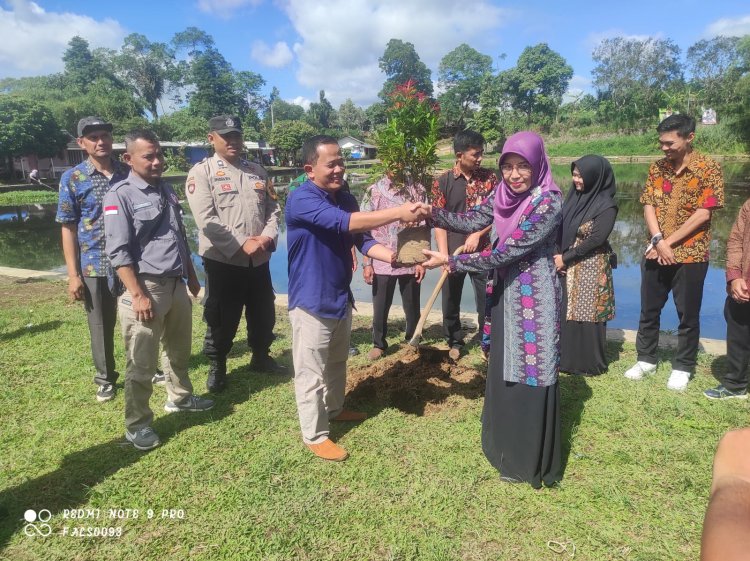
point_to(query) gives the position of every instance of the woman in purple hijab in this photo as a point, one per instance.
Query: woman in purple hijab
(521, 416)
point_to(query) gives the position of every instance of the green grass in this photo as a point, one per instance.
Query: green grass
(27, 197)
(416, 486)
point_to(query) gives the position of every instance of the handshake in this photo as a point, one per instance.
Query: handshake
(413, 213)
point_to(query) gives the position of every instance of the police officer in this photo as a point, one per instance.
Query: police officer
(237, 215)
(146, 244)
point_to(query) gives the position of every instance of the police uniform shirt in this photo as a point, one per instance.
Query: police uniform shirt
(144, 229)
(230, 204)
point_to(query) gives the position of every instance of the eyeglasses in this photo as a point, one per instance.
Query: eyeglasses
(522, 168)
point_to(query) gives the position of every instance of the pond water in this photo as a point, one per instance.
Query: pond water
(30, 238)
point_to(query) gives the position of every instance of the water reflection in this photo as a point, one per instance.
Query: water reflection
(29, 238)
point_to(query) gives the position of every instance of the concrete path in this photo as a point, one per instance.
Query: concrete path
(709, 346)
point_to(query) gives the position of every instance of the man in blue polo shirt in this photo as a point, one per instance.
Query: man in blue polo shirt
(323, 223)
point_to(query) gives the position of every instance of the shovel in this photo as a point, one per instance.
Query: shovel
(414, 342)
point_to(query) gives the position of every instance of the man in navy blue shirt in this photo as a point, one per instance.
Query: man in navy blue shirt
(323, 223)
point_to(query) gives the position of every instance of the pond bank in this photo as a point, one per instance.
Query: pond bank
(716, 347)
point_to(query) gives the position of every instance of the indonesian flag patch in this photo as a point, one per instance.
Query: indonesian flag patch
(110, 210)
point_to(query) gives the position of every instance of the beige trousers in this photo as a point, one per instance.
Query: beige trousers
(172, 325)
(320, 349)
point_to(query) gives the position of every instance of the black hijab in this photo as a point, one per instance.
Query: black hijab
(597, 196)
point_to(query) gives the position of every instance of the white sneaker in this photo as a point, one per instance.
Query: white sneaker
(678, 380)
(640, 368)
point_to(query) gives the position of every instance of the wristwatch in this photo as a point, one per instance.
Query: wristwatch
(657, 238)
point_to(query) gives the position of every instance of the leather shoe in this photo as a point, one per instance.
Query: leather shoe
(348, 415)
(266, 363)
(217, 376)
(375, 353)
(329, 450)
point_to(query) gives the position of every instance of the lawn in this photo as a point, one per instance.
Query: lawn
(237, 483)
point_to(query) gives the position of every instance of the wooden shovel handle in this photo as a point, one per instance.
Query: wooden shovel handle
(418, 331)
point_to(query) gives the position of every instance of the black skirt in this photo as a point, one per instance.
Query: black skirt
(520, 423)
(583, 344)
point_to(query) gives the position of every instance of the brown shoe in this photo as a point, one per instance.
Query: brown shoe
(347, 415)
(375, 354)
(454, 353)
(329, 450)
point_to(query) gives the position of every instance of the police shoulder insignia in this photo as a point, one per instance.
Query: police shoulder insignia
(191, 188)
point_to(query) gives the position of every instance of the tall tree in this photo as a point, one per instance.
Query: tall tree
(536, 84)
(146, 68)
(400, 63)
(460, 77)
(351, 118)
(288, 137)
(321, 114)
(26, 127)
(631, 76)
(80, 65)
(715, 67)
(739, 111)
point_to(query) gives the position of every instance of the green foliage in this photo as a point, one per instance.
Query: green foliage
(631, 76)
(401, 63)
(715, 67)
(182, 125)
(26, 198)
(288, 136)
(407, 143)
(321, 114)
(27, 127)
(536, 84)
(609, 145)
(146, 68)
(460, 76)
(375, 115)
(175, 160)
(351, 118)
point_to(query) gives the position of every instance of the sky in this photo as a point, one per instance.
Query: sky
(303, 46)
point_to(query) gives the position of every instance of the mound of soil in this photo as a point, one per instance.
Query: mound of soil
(419, 382)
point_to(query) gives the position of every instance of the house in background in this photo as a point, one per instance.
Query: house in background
(357, 149)
(72, 155)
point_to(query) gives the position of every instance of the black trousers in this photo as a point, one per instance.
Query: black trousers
(229, 290)
(101, 312)
(452, 290)
(383, 287)
(738, 345)
(685, 281)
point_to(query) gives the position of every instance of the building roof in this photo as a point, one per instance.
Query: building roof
(350, 142)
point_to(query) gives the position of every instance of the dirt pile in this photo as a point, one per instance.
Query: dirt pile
(419, 382)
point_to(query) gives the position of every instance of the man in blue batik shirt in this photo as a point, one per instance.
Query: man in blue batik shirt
(90, 277)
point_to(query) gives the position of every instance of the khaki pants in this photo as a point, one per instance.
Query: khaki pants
(172, 324)
(320, 349)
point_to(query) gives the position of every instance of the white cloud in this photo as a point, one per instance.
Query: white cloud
(225, 8)
(729, 27)
(277, 56)
(34, 40)
(341, 40)
(301, 101)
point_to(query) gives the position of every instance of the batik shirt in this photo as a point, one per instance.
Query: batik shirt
(676, 197)
(456, 192)
(381, 196)
(82, 189)
(528, 285)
